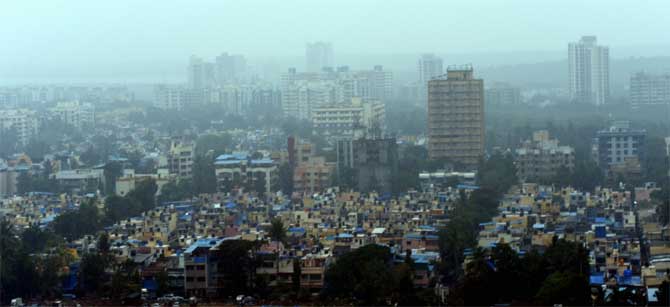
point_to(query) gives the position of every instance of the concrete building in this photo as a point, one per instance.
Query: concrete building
(80, 180)
(430, 66)
(380, 83)
(649, 90)
(374, 162)
(301, 92)
(502, 94)
(74, 113)
(22, 121)
(541, 158)
(129, 180)
(239, 170)
(201, 74)
(168, 97)
(299, 98)
(456, 117)
(180, 159)
(342, 119)
(8, 177)
(201, 267)
(619, 144)
(230, 68)
(318, 55)
(589, 71)
(311, 173)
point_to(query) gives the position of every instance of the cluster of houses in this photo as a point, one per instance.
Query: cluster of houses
(627, 246)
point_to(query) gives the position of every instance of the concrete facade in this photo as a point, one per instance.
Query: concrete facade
(456, 117)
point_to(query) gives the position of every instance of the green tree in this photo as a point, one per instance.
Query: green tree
(92, 270)
(237, 265)
(75, 224)
(498, 173)
(564, 288)
(176, 191)
(363, 275)
(204, 175)
(277, 230)
(34, 239)
(145, 194)
(37, 149)
(217, 143)
(90, 156)
(295, 277)
(112, 171)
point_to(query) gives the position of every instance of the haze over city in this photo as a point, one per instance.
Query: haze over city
(140, 41)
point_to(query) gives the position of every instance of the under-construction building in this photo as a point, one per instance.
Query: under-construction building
(456, 117)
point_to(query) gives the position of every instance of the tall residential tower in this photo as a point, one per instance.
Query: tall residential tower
(456, 117)
(589, 71)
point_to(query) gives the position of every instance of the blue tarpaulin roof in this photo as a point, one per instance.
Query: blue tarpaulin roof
(597, 279)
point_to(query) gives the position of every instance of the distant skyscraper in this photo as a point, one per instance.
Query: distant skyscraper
(456, 117)
(589, 71)
(429, 66)
(201, 74)
(230, 68)
(195, 72)
(318, 55)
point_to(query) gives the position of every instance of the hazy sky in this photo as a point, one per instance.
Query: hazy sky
(50, 37)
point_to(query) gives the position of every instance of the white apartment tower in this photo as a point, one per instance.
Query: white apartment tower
(318, 55)
(589, 71)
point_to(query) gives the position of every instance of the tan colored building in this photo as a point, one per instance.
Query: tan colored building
(311, 173)
(541, 158)
(456, 116)
(180, 159)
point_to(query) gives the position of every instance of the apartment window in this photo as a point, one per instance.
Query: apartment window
(201, 279)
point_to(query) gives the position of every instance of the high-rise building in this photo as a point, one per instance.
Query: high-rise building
(168, 97)
(23, 122)
(456, 117)
(373, 161)
(230, 68)
(201, 74)
(318, 55)
(430, 66)
(239, 170)
(647, 89)
(619, 145)
(180, 159)
(74, 113)
(302, 92)
(589, 71)
(502, 94)
(343, 119)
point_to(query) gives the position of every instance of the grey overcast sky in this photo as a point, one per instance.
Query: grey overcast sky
(45, 37)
